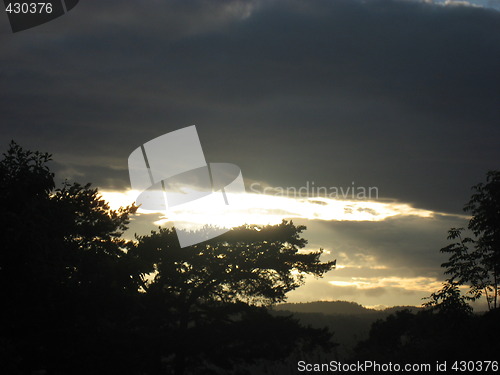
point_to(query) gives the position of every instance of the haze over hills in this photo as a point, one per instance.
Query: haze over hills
(350, 322)
(339, 307)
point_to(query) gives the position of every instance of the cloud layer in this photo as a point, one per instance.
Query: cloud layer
(399, 95)
(403, 96)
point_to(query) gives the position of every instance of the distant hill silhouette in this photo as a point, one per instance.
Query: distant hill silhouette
(339, 307)
(350, 322)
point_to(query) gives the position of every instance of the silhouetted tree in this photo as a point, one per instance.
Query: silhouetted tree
(476, 262)
(211, 289)
(449, 300)
(448, 329)
(429, 335)
(64, 279)
(79, 299)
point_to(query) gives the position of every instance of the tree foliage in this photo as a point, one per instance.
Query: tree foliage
(63, 269)
(428, 336)
(447, 329)
(476, 261)
(449, 300)
(81, 299)
(251, 264)
(214, 286)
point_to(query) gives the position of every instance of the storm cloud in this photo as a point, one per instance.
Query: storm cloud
(400, 95)
(403, 96)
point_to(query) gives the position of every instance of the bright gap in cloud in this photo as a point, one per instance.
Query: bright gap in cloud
(251, 208)
(488, 4)
(424, 284)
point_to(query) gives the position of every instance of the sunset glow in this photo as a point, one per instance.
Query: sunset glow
(267, 209)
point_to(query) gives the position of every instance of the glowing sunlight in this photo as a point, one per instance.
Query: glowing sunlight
(253, 208)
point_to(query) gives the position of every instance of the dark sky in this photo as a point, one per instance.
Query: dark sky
(400, 95)
(403, 96)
